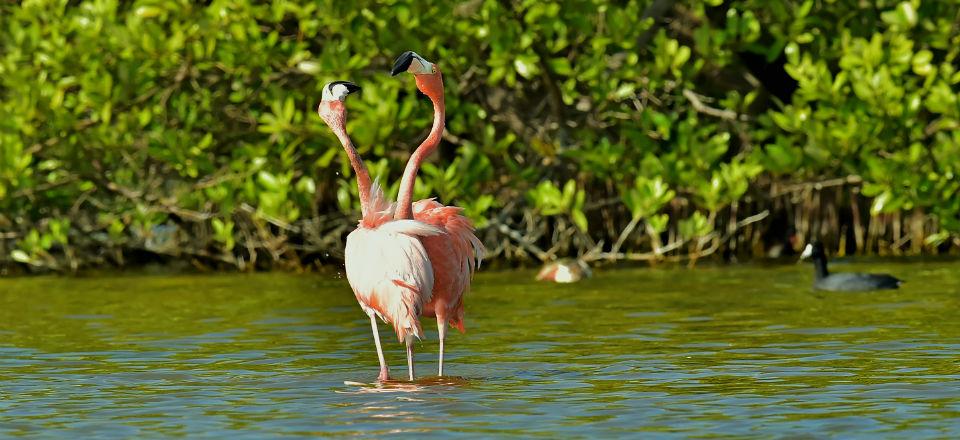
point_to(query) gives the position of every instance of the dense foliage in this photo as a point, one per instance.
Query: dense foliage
(610, 130)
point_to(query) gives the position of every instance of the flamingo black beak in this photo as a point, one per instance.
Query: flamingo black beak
(351, 87)
(402, 63)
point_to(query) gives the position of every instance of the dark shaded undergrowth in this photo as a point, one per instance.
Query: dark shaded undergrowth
(140, 132)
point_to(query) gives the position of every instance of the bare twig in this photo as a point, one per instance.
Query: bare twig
(272, 220)
(698, 105)
(523, 242)
(624, 234)
(29, 192)
(658, 254)
(852, 179)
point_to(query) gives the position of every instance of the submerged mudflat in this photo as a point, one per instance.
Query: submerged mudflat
(731, 350)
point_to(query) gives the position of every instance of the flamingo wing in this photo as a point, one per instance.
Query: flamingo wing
(390, 272)
(454, 255)
(467, 248)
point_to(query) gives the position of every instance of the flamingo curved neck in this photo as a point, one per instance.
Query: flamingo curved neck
(405, 198)
(359, 168)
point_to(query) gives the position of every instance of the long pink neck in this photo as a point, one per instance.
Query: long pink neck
(359, 168)
(405, 198)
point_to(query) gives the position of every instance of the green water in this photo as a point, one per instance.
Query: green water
(732, 351)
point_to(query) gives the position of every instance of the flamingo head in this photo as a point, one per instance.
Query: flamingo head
(412, 62)
(427, 74)
(331, 108)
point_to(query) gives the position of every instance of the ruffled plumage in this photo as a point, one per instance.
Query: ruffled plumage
(454, 255)
(388, 266)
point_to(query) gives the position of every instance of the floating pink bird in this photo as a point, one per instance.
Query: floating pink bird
(456, 253)
(564, 270)
(387, 265)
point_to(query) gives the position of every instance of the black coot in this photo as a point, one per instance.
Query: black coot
(844, 282)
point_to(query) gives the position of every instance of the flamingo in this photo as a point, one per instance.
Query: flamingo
(456, 254)
(386, 263)
(430, 279)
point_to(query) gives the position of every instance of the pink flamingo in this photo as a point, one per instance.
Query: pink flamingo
(387, 265)
(390, 270)
(457, 253)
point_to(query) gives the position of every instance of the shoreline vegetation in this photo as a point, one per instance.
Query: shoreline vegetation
(137, 133)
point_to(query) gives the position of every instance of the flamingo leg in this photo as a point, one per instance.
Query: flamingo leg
(410, 357)
(384, 371)
(442, 330)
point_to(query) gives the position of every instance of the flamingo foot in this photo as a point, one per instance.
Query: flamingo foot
(384, 375)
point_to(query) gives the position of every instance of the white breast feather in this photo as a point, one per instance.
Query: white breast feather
(375, 258)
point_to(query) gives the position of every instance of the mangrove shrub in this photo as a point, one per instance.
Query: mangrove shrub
(616, 130)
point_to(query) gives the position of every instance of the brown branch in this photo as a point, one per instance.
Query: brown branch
(698, 105)
(167, 207)
(624, 234)
(658, 254)
(852, 179)
(524, 243)
(29, 192)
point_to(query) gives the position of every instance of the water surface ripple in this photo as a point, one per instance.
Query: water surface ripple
(733, 351)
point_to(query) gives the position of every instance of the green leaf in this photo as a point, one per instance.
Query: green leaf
(269, 181)
(579, 219)
(526, 66)
(20, 256)
(880, 203)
